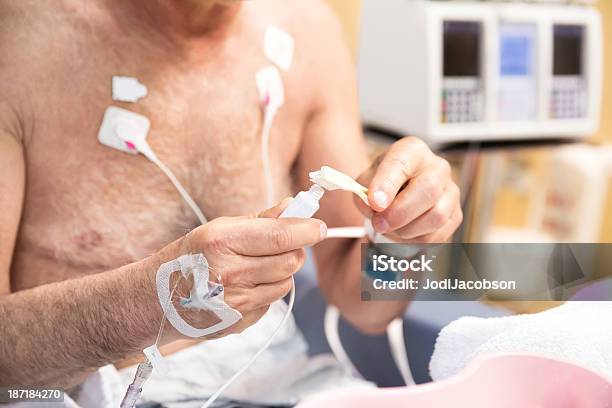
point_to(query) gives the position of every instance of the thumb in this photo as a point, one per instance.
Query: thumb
(277, 210)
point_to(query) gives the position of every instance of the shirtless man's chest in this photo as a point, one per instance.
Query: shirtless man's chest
(89, 208)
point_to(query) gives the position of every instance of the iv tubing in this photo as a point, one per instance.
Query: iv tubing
(144, 369)
(259, 352)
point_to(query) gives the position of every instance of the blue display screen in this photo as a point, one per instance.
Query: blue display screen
(517, 49)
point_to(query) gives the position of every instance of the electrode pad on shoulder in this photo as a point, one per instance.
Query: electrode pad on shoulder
(205, 295)
(279, 47)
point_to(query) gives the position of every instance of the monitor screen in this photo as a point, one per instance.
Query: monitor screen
(517, 50)
(462, 49)
(568, 43)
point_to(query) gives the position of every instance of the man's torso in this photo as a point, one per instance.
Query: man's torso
(89, 208)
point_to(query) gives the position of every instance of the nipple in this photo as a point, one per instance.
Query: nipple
(331, 179)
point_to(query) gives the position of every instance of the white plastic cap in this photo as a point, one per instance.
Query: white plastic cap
(317, 191)
(331, 179)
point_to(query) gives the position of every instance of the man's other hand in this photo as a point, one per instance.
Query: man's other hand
(412, 196)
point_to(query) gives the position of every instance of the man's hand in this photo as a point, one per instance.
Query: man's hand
(411, 193)
(106, 317)
(255, 258)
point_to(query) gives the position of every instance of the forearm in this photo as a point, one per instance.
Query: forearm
(57, 333)
(340, 280)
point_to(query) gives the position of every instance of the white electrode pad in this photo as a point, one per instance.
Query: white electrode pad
(205, 295)
(128, 89)
(279, 47)
(132, 127)
(270, 86)
(331, 179)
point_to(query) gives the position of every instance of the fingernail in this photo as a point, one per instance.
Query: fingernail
(323, 230)
(380, 198)
(380, 224)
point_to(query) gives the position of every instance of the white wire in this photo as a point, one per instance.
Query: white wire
(269, 114)
(123, 130)
(397, 343)
(179, 187)
(331, 328)
(346, 232)
(259, 352)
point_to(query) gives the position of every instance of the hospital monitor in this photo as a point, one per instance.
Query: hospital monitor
(457, 71)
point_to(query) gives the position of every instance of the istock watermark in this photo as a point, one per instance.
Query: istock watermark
(387, 263)
(495, 271)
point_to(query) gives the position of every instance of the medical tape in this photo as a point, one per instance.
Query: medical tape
(204, 295)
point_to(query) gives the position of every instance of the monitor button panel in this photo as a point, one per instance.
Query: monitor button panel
(462, 101)
(568, 99)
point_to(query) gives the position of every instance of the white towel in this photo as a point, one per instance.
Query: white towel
(576, 331)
